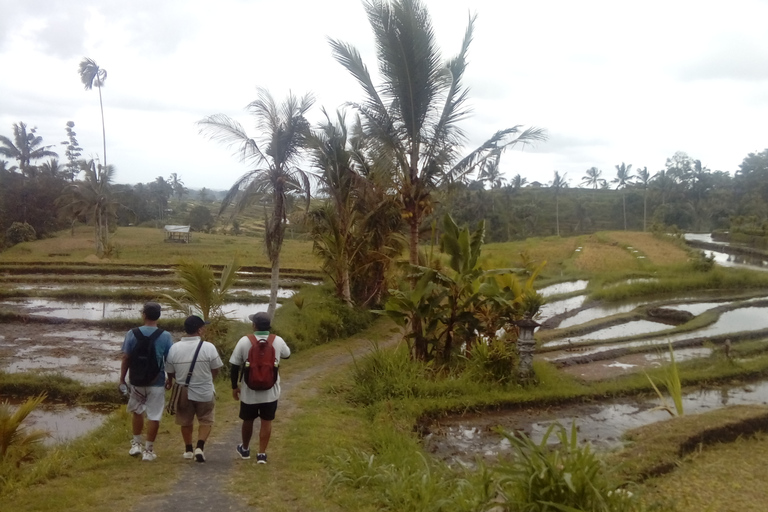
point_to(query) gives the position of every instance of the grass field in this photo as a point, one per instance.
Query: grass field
(146, 246)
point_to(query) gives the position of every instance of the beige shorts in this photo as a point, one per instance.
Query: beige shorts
(188, 409)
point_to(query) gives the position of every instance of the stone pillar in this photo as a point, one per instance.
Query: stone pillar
(526, 345)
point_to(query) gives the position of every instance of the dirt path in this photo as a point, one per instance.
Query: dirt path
(205, 487)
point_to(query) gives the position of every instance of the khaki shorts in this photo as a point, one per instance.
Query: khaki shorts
(188, 409)
(149, 399)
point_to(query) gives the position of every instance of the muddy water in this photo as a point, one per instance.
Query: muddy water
(559, 307)
(632, 328)
(567, 287)
(599, 312)
(64, 422)
(611, 368)
(97, 310)
(462, 439)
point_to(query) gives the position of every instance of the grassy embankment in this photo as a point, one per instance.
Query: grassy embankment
(330, 422)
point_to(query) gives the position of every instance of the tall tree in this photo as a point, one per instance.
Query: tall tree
(92, 198)
(177, 185)
(92, 75)
(414, 113)
(73, 152)
(25, 147)
(518, 182)
(558, 183)
(282, 132)
(622, 179)
(643, 178)
(593, 178)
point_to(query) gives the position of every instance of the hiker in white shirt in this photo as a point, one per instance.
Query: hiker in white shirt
(196, 399)
(256, 404)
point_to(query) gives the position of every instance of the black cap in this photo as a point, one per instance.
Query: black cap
(193, 323)
(261, 321)
(151, 310)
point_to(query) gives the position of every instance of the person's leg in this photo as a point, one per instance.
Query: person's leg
(137, 424)
(152, 428)
(186, 434)
(203, 431)
(247, 432)
(264, 433)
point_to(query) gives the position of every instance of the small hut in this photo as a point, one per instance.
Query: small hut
(177, 234)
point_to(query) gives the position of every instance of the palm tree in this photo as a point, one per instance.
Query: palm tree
(177, 185)
(622, 179)
(489, 172)
(283, 129)
(518, 182)
(25, 147)
(92, 198)
(643, 179)
(92, 75)
(413, 115)
(592, 178)
(558, 183)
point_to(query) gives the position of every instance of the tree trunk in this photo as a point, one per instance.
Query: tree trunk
(273, 282)
(624, 199)
(645, 209)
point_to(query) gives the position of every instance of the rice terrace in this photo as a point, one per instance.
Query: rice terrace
(461, 340)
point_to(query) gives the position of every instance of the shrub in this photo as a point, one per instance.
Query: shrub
(19, 232)
(567, 477)
(495, 361)
(315, 316)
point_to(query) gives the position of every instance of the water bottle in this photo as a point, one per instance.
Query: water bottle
(123, 389)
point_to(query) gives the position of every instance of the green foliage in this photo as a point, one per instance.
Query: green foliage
(671, 381)
(19, 232)
(568, 477)
(703, 263)
(406, 481)
(200, 218)
(447, 308)
(17, 442)
(316, 316)
(494, 361)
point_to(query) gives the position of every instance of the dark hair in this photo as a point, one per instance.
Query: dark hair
(151, 311)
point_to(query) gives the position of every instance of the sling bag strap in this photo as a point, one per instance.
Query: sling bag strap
(192, 366)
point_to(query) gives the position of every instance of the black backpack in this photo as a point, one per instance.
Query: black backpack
(142, 366)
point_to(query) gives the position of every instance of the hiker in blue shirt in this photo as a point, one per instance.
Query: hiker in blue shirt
(147, 390)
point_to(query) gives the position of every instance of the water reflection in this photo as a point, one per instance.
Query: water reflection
(98, 310)
(459, 439)
(567, 287)
(599, 312)
(624, 330)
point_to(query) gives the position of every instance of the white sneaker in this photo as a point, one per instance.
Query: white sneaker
(148, 456)
(135, 449)
(199, 455)
(189, 455)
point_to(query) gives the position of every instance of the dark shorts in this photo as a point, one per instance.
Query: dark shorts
(253, 411)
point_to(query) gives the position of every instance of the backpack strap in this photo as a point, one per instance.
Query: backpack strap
(140, 336)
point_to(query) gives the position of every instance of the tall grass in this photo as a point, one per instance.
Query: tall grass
(567, 477)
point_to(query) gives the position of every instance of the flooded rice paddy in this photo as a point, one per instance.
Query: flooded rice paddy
(464, 439)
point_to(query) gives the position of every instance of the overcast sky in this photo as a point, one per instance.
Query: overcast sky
(611, 81)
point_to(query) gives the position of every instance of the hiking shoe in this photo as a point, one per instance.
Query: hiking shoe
(245, 453)
(261, 458)
(148, 456)
(199, 455)
(135, 449)
(189, 455)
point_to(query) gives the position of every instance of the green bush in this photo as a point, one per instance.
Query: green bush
(493, 362)
(315, 316)
(567, 477)
(20, 232)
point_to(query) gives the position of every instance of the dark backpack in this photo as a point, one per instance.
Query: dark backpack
(260, 371)
(143, 367)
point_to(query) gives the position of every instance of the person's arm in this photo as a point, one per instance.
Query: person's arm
(169, 380)
(234, 376)
(214, 373)
(123, 368)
